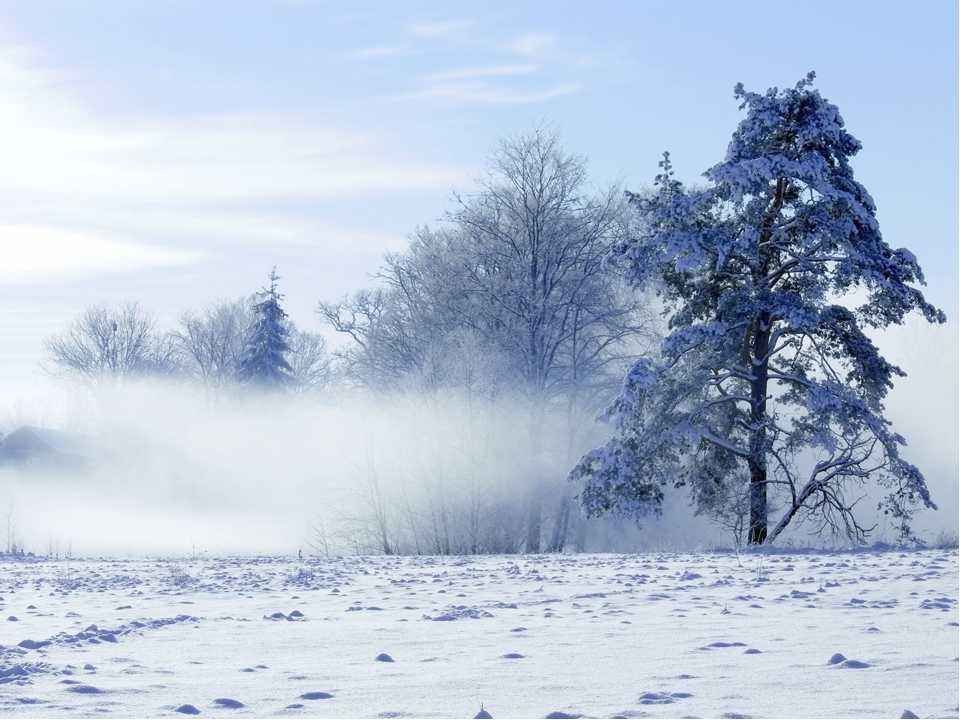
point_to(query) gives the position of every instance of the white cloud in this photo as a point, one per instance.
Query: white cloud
(438, 29)
(483, 72)
(207, 159)
(484, 93)
(474, 84)
(36, 254)
(51, 145)
(533, 44)
(86, 193)
(381, 51)
(229, 231)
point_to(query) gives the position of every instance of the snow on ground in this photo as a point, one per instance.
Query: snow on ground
(658, 635)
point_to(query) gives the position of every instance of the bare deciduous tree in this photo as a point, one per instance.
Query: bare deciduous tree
(212, 341)
(112, 342)
(310, 365)
(539, 284)
(510, 295)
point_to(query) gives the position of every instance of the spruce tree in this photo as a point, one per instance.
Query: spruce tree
(264, 360)
(768, 390)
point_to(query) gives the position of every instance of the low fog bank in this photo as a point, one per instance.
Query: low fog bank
(923, 407)
(176, 470)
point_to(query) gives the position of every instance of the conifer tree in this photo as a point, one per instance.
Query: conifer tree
(767, 388)
(264, 360)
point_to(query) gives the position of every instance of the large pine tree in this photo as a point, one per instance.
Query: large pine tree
(767, 392)
(264, 360)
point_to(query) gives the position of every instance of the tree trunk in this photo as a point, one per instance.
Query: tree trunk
(535, 498)
(534, 522)
(580, 536)
(759, 372)
(559, 539)
(758, 440)
(758, 504)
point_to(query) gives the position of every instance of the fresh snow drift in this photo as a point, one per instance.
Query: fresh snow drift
(660, 635)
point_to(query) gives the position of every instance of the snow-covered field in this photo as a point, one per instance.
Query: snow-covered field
(599, 635)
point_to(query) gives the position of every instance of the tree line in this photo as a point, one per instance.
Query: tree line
(249, 341)
(715, 328)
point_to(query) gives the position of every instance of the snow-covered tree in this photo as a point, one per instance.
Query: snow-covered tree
(264, 360)
(767, 387)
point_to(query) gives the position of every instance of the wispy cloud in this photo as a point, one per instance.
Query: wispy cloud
(533, 44)
(484, 93)
(37, 253)
(52, 146)
(209, 158)
(438, 28)
(478, 84)
(252, 228)
(381, 51)
(61, 162)
(495, 83)
(482, 72)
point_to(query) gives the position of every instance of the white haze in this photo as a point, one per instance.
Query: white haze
(181, 471)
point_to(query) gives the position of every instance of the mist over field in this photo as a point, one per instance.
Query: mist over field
(180, 471)
(176, 471)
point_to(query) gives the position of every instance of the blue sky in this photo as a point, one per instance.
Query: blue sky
(172, 152)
